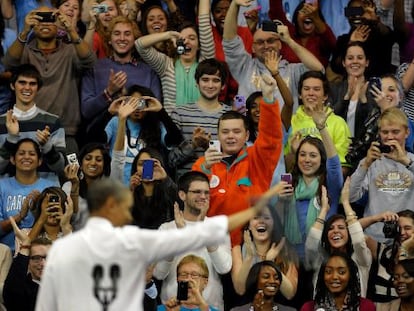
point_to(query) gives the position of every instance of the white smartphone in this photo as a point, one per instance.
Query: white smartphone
(215, 144)
(72, 158)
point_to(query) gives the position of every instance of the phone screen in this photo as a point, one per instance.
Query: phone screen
(53, 198)
(148, 169)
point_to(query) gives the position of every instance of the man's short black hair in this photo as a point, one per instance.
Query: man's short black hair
(26, 70)
(233, 115)
(211, 66)
(186, 179)
(101, 190)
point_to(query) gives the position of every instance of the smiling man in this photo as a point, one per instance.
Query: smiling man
(237, 173)
(60, 64)
(387, 176)
(194, 191)
(22, 282)
(112, 75)
(26, 120)
(198, 121)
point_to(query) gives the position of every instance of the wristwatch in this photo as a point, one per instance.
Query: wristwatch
(78, 41)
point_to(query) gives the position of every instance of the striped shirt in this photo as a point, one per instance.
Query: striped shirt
(164, 65)
(408, 102)
(187, 118)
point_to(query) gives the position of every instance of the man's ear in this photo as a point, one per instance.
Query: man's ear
(12, 87)
(247, 135)
(182, 195)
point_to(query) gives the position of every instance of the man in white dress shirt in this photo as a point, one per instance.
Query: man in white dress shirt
(102, 267)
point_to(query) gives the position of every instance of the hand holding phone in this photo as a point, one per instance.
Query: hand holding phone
(182, 290)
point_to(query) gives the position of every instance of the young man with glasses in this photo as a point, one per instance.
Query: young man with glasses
(22, 282)
(194, 191)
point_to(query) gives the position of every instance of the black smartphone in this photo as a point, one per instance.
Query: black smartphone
(269, 26)
(47, 17)
(375, 81)
(182, 290)
(53, 198)
(148, 169)
(384, 148)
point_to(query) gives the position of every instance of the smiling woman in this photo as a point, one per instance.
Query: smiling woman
(262, 285)
(338, 287)
(403, 280)
(17, 193)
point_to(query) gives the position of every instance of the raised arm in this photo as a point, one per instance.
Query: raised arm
(319, 118)
(15, 51)
(241, 265)
(7, 9)
(306, 57)
(154, 38)
(207, 48)
(230, 22)
(272, 64)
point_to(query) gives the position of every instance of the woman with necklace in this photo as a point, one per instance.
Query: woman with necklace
(338, 287)
(403, 280)
(262, 285)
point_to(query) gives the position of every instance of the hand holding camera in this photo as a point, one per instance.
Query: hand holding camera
(149, 103)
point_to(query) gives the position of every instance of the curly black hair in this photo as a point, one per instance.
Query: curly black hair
(353, 288)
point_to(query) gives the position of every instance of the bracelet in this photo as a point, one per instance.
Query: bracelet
(275, 74)
(78, 41)
(320, 220)
(351, 218)
(20, 39)
(25, 246)
(351, 214)
(108, 97)
(409, 164)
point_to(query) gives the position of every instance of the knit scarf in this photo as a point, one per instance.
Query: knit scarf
(185, 84)
(302, 192)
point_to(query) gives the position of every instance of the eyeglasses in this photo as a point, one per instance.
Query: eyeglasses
(200, 192)
(37, 258)
(193, 275)
(261, 42)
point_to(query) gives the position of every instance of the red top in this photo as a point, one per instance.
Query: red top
(364, 305)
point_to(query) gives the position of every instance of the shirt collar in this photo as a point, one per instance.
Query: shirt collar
(133, 61)
(20, 114)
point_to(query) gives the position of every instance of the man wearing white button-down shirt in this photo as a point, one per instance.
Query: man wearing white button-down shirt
(102, 267)
(194, 191)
